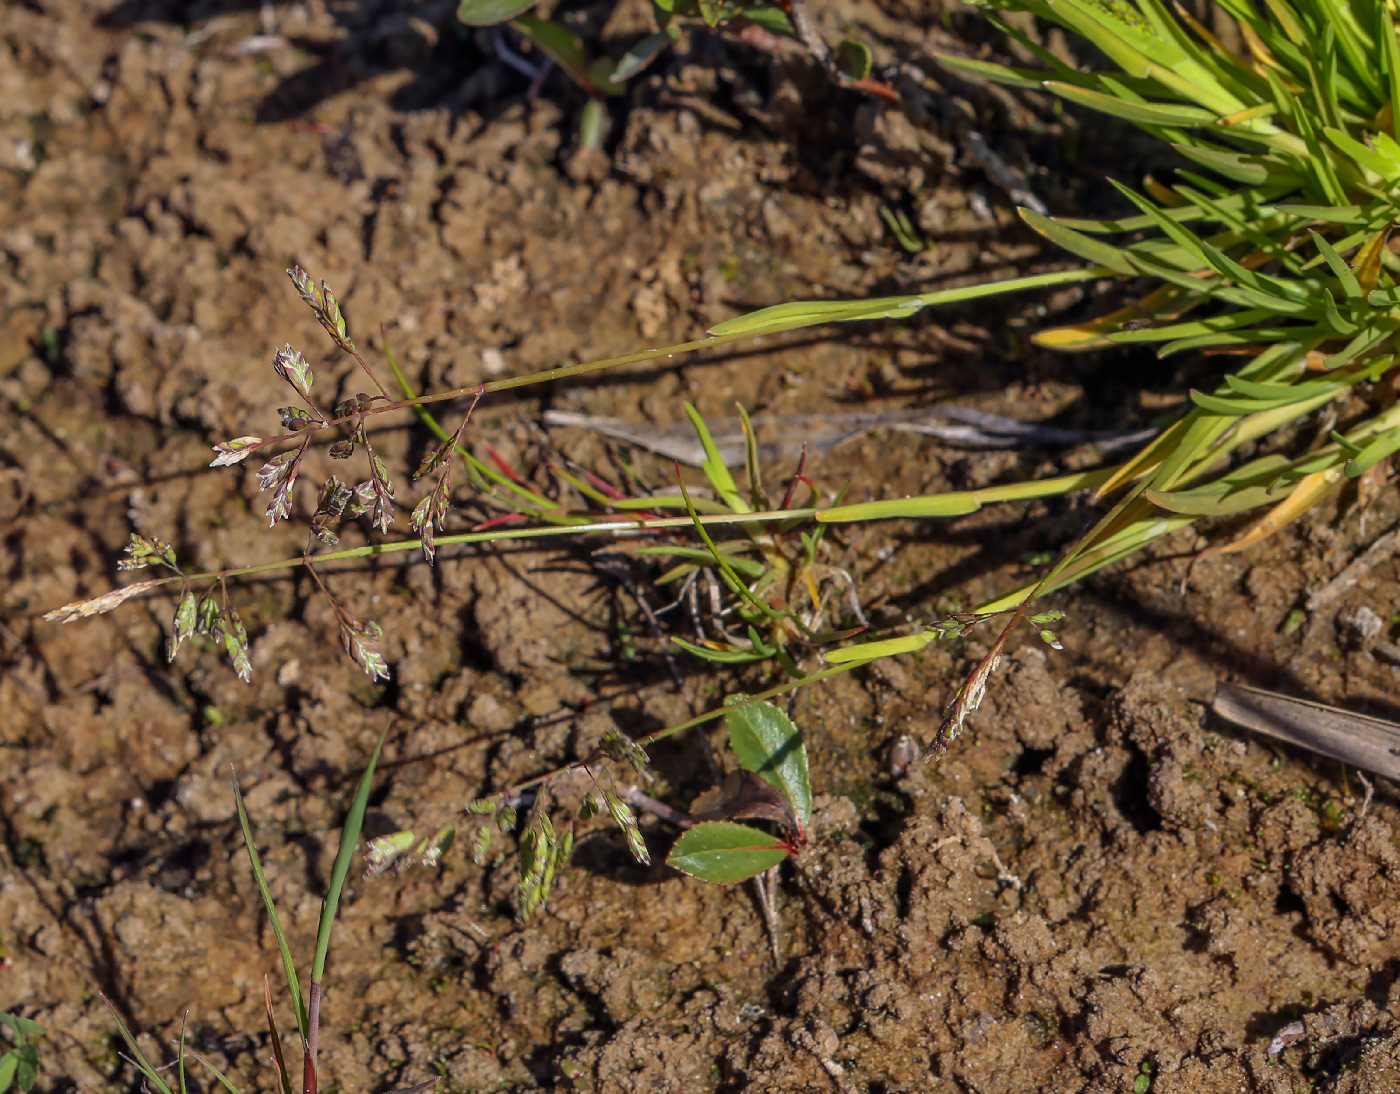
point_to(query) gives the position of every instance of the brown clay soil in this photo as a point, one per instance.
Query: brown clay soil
(1097, 877)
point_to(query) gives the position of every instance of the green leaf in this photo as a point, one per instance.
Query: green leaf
(725, 853)
(1217, 405)
(1252, 170)
(722, 657)
(484, 13)
(349, 837)
(28, 1070)
(1076, 243)
(714, 467)
(1149, 114)
(642, 54)
(219, 1075)
(772, 19)
(1387, 444)
(142, 1064)
(1280, 393)
(9, 1064)
(746, 566)
(558, 44)
(954, 503)
(289, 968)
(766, 742)
(23, 1027)
(1028, 79)
(180, 1057)
(886, 647)
(1210, 502)
(810, 313)
(593, 125)
(853, 58)
(1390, 55)
(1368, 158)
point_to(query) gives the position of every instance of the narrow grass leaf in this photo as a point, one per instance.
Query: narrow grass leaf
(722, 656)
(714, 466)
(745, 566)
(955, 503)
(289, 968)
(139, 1060)
(732, 579)
(179, 1057)
(1154, 115)
(222, 1079)
(1076, 243)
(1387, 444)
(349, 837)
(1028, 79)
(1390, 57)
(885, 647)
(1309, 491)
(1350, 285)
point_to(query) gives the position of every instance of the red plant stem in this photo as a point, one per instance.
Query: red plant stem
(313, 1038)
(796, 478)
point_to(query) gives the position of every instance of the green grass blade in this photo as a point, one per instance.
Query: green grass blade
(180, 1055)
(1352, 215)
(811, 313)
(752, 466)
(1038, 51)
(1368, 158)
(219, 1075)
(1390, 57)
(1385, 445)
(1028, 79)
(1216, 323)
(289, 967)
(722, 657)
(884, 647)
(1076, 243)
(1151, 115)
(1252, 169)
(955, 503)
(731, 578)
(139, 1060)
(714, 467)
(349, 837)
(746, 566)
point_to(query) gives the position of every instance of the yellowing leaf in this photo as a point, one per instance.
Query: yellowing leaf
(1310, 490)
(1367, 264)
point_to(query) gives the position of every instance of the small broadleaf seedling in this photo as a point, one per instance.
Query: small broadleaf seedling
(19, 1065)
(768, 745)
(306, 1008)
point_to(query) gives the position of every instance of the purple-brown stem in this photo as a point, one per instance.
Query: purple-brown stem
(313, 1038)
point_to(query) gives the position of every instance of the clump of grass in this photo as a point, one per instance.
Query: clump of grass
(306, 1008)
